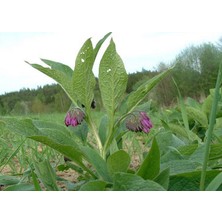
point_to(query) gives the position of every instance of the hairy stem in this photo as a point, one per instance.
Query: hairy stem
(95, 133)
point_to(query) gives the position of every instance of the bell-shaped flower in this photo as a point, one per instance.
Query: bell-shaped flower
(139, 122)
(74, 117)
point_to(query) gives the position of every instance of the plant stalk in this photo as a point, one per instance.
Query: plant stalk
(212, 120)
(95, 133)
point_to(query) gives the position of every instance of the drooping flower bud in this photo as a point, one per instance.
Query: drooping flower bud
(139, 123)
(74, 117)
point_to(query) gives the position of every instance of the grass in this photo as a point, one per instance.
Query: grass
(17, 153)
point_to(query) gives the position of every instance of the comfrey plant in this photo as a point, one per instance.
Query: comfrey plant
(103, 153)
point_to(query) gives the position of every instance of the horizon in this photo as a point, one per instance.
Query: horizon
(142, 50)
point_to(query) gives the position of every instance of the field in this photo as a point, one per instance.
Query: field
(23, 161)
(131, 144)
(18, 155)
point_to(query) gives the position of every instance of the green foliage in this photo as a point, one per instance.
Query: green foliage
(137, 96)
(96, 185)
(215, 183)
(83, 78)
(46, 174)
(118, 162)
(171, 154)
(131, 182)
(112, 79)
(151, 165)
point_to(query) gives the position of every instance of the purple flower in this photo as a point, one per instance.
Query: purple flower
(74, 117)
(139, 123)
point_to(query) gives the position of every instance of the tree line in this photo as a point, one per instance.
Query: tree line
(195, 74)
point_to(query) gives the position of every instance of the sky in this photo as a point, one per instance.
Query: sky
(145, 32)
(141, 50)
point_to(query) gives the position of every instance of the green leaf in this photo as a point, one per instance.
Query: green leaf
(53, 135)
(181, 166)
(59, 66)
(181, 131)
(103, 129)
(60, 73)
(118, 162)
(150, 167)
(197, 115)
(163, 178)
(8, 180)
(166, 140)
(97, 161)
(190, 181)
(188, 150)
(132, 182)
(112, 79)
(207, 104)
(46, 174)
(35, 181)
(80, 131)
(99, 44)
(215, 151)
(83, 78)
(215, 183)
(183, 109)
(171, 154)
(20, 187)
(95, 185)
(137, 96)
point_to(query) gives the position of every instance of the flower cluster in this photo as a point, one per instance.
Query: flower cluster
(139, 123)
(74, 117)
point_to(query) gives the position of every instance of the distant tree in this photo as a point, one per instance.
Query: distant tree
(37, 106)
(21, 108)
(197, 68)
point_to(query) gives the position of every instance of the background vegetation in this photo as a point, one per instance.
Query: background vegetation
(195, 74)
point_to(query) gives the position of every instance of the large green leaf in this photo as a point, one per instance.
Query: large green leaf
(20, 187)
(181, 166)
(197, 115)
(112, 79)
(215, 151)
(132, 182)
(99, 44)
(181, 131)
(118, 162)
(8, 180)
(60, 73)
(97, 161)
(163, 178)
(168, 139)
(53, 135)
(59, 66)
(190, 181)
(83, 78)
(46, 174)
(150, 167)
(103, 129)
(215, 183)
(137, 96)
(95, 185)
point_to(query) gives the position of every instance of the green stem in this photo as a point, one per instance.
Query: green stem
(109, 137)
(95, 133)
(211, 127)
